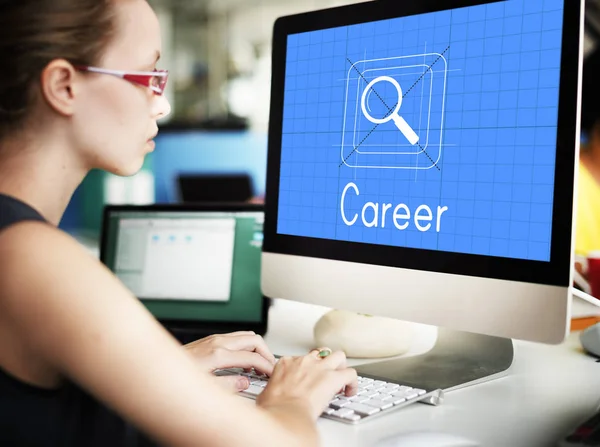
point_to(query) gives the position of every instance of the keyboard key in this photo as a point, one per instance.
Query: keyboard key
(359, 399)
(371, 394)
(339, 403)
(254, 390)
(403, 394)
(382, 405)
(411, 395)
(353, 417)
(342, 412)
(377, 388)
(386, 392)
(362, 409)
(328, 411)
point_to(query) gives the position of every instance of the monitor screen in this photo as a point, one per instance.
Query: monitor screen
(433, 131)
(421, 163)
(189, 265)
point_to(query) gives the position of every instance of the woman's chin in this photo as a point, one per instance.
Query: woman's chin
(127, 170)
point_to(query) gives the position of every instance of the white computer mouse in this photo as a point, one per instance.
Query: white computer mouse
(590, 339)
(426, 439)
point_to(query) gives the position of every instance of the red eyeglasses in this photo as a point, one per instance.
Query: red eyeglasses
(155, 80)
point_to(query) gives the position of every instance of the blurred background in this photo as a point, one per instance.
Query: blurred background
(213, 146)
(218, 53)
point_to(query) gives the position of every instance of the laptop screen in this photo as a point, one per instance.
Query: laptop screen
(189, 265)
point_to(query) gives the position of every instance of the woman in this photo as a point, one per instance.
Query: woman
(73, 340)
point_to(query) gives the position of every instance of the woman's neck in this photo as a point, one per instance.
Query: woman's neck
(41, 175)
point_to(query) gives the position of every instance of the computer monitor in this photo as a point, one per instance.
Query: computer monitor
(421, 163)
(195, 267)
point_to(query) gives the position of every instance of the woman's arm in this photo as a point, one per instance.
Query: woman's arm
(77, 316)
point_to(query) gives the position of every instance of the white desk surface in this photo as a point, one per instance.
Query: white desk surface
(548, 390)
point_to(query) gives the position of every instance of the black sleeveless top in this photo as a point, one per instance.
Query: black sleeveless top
(62, 417)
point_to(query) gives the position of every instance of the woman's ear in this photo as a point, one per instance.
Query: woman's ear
(58, 86)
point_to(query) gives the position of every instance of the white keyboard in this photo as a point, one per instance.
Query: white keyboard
(374, 397)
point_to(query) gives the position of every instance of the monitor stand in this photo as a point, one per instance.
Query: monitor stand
(457, 360)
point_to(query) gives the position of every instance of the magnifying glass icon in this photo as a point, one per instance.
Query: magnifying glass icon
(400, 122)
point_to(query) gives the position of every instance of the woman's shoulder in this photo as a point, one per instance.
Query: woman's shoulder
(32, 236)
(37, 259)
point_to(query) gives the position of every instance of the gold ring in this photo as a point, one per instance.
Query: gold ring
(324, 352)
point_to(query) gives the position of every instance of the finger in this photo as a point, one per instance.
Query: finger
(314, 353)
(252, 343)
(336, 360)
(234, 383)
(242, 359)
(348, 379)
(321, 353)
(235, 334)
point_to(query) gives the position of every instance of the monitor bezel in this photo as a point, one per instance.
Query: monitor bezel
(193, 325)
(555, 272)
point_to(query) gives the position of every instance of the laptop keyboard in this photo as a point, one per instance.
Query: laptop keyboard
(374, 397)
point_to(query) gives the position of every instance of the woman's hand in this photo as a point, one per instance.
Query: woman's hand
(310, 380)
(236, 350)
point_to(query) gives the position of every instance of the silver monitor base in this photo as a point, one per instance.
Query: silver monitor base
(458, 359)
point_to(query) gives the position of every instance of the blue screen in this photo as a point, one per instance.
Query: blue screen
(435, 131)
(207, 152)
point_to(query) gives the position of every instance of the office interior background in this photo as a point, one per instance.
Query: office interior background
(218, 53)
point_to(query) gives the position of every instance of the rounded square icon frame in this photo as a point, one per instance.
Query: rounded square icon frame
(358, 113)
(439, 57)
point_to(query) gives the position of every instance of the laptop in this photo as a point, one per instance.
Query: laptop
(196, 267)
